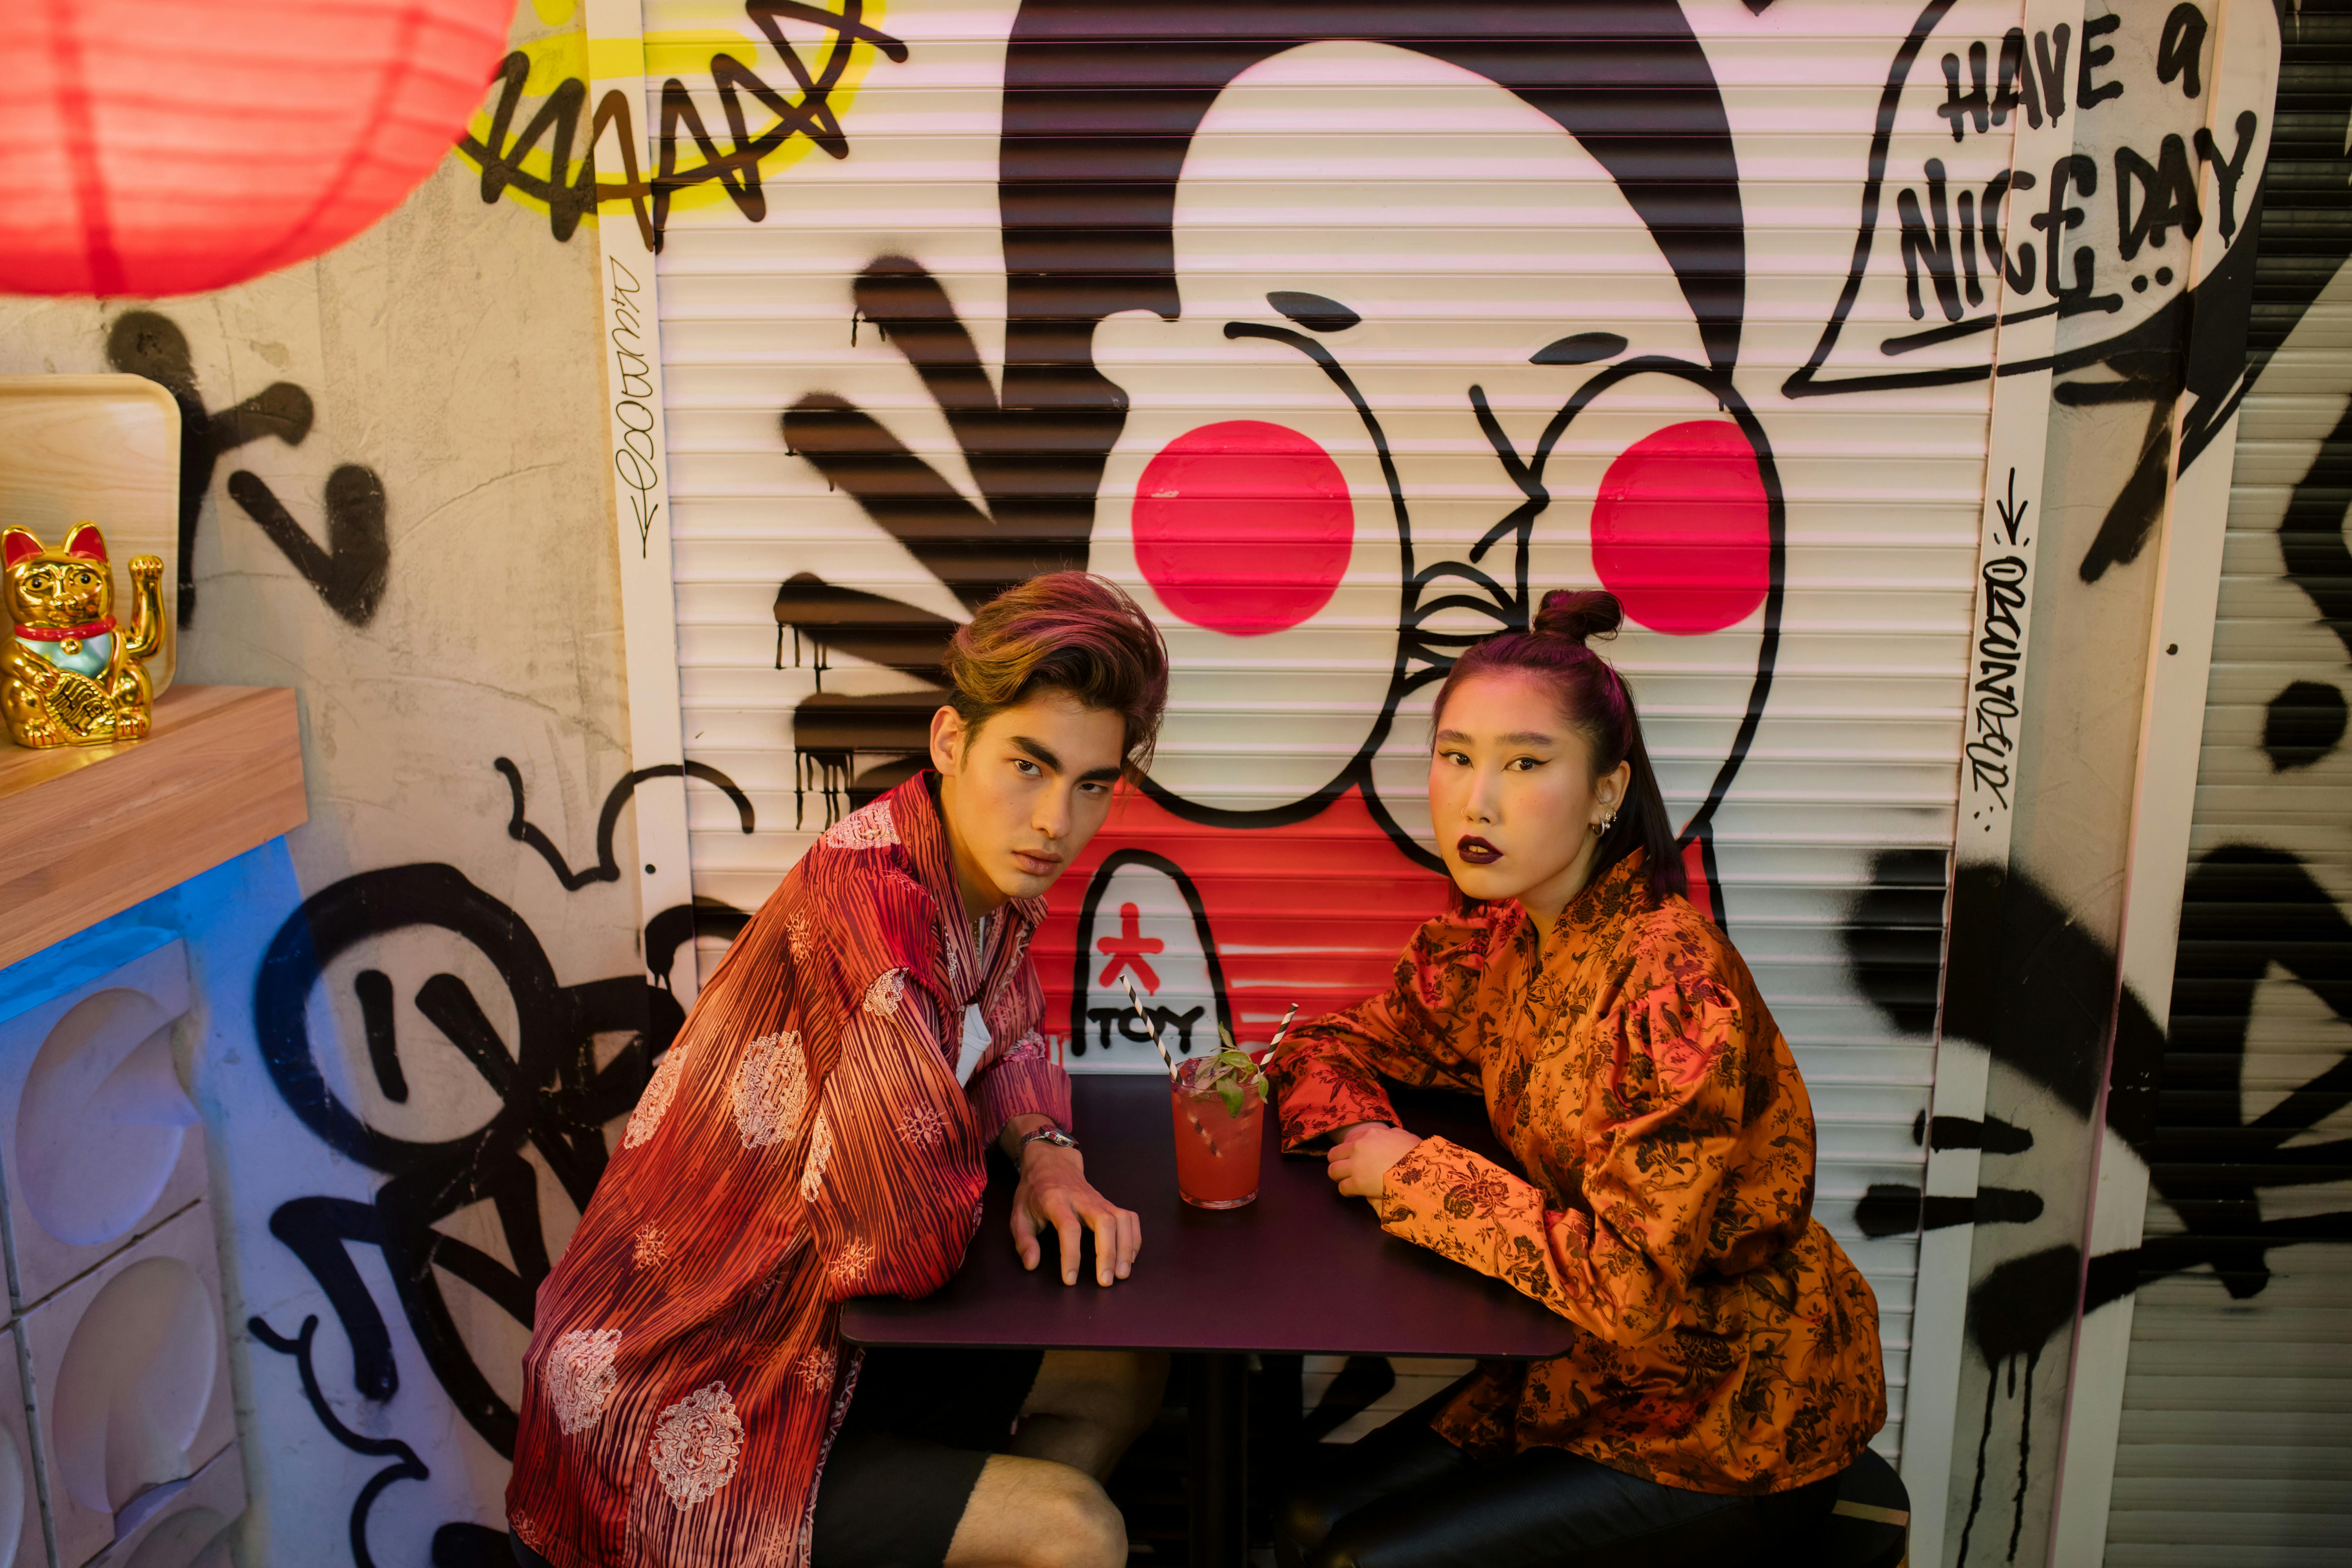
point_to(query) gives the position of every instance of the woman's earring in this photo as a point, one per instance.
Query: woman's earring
(1602, 827)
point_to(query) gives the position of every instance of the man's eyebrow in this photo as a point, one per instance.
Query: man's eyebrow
(1043, 756)
(1038, 752)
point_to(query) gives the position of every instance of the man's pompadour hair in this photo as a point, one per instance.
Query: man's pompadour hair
(1070, 632)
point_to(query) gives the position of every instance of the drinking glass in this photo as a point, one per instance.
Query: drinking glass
(1216, 1151)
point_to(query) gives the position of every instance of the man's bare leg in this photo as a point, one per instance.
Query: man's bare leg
(1038, 1513)
(1042, 1504)
(1087, 1406)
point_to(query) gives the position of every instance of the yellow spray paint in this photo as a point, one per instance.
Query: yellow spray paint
(683, 55)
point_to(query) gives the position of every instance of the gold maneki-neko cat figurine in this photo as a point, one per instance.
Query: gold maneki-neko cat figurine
(68, 675)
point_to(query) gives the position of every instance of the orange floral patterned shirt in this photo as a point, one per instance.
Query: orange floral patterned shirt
(1663, 1195)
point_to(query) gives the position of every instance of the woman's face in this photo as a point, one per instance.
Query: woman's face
(1512, 794)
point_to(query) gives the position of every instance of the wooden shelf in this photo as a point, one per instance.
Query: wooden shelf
(88, 831)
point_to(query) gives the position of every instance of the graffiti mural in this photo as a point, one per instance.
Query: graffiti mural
(2251, 1150)
(801, 109)
(2178, 1102)
(2047, 1028)
(1336, 333)
(558, 1065)
(554, 1092)
(391, 500)
(1093, 448)
(2243, 1153)
(348, 571)
(1103, 479)
(2250, 906)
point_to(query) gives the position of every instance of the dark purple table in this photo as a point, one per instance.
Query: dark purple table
(1302, 1271)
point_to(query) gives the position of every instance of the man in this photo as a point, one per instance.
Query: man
(818, 1132)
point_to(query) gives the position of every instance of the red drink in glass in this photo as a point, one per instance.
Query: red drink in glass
(1216, 1151)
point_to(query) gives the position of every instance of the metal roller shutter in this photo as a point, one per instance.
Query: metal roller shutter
(2236, 1439)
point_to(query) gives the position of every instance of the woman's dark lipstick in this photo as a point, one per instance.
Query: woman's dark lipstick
(1477, 851)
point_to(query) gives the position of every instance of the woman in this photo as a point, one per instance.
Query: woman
(1729, 1365)
(817, 1132)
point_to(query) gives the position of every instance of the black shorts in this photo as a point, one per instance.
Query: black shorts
(920, 1428)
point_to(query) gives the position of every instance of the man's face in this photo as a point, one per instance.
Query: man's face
(1024, 793)
(1393, 273)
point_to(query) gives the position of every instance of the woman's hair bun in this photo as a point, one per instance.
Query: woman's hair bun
(1578, 614)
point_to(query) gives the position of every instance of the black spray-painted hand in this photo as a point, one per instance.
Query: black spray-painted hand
(350, 571)
(1034, 514)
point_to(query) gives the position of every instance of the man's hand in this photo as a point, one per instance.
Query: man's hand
(1055, 1191)
(1359, 1161)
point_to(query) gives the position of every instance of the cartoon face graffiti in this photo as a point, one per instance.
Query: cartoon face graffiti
(1233, 310)
(1338, 465)
(1328, 466)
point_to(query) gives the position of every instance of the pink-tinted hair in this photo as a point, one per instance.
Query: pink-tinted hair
(1594, 699)
(1070, 632)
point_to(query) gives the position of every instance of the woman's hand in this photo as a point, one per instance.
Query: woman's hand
(1055, 1191)
(1359, 1161)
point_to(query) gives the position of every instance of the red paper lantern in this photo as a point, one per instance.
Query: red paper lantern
(163, 146)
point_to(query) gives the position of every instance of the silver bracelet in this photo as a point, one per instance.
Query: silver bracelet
(1048, 1134)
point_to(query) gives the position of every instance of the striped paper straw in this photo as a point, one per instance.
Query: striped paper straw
(1148, 1024)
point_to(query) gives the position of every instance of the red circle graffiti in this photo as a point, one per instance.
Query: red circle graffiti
(1243, 527)
(1680, 531)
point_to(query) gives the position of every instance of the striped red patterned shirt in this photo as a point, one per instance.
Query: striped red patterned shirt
(807, 1139)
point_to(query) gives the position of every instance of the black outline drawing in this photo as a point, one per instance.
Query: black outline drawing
(1083, 960)
(1037, 444)
(408, 1467)
(552, 1096)
(2195, 343)
(1806, 381)
(350, 571)
(608, 869)
(2046, 1025)
(570, 196)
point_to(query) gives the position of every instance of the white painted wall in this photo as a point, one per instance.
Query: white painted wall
(454, 350)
